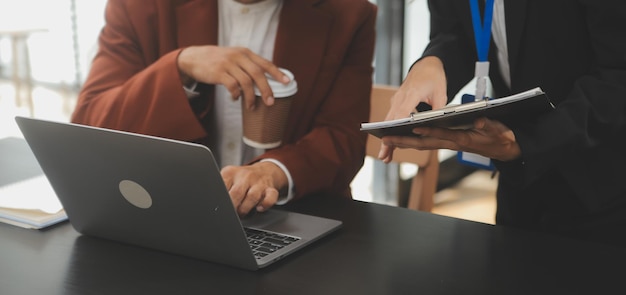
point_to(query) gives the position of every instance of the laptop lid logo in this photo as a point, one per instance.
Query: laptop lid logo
(135, 194)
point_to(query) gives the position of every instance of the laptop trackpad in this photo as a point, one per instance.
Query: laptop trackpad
(291, 223)
(264, 220)
(273, 220)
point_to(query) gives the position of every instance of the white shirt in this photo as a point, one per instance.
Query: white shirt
(498, 31)
(253, 26)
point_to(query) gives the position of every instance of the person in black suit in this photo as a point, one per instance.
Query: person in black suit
(563, 172)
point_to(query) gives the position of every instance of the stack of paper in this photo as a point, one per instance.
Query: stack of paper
(26, 197)
(30, 203)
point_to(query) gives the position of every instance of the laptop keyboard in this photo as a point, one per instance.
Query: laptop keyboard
(264, 243)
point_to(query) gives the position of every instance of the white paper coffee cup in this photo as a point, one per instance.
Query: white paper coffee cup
(265, 126)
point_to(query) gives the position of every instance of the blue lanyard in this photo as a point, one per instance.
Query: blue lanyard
(482, 32)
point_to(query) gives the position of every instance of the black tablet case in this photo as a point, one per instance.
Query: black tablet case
(509, 113)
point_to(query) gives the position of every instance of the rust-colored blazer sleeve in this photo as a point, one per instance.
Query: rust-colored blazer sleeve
(134, 85)
(334, 45)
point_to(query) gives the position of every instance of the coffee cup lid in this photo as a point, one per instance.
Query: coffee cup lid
(279, 89)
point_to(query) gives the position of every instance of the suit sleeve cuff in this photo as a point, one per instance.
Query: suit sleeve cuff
(283, 199)
(191, 90)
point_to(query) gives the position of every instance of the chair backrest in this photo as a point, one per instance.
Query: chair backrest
(424, 184)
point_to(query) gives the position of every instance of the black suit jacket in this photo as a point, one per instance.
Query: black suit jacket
(571, 177)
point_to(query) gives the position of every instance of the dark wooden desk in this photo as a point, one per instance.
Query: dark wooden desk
(380, 250)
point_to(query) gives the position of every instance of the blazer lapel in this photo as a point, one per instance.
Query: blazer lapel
(515, 14)
(197, 23)
(302, 37)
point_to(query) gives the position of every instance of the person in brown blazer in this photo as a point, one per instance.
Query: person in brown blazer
(174, 68)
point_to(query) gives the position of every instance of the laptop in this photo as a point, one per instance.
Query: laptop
(161, 194)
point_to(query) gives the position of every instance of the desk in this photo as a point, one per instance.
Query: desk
(380, 250)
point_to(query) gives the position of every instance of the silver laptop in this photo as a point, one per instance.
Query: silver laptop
(161, 194)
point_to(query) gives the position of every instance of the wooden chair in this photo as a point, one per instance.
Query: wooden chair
(424, 184)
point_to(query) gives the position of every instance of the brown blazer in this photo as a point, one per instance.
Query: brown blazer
(133, 84)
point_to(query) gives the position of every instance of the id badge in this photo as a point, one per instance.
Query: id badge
(472, 159)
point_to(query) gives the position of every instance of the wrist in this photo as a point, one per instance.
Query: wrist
(279, 178)
(182, 65)
(428, 64)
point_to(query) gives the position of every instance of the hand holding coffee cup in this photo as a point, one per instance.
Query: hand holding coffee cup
(264, 126)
